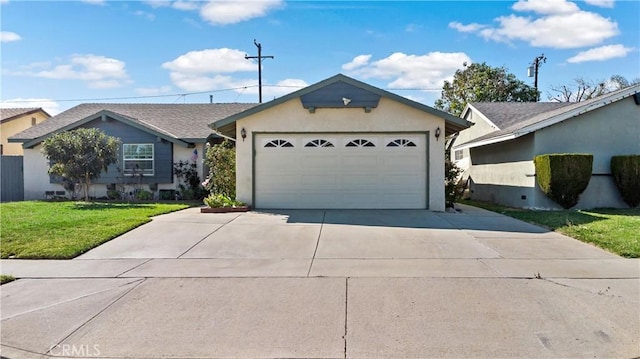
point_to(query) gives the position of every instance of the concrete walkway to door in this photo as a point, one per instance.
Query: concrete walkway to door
(329, 284)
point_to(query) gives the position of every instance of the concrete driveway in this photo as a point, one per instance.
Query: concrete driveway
(335, 284)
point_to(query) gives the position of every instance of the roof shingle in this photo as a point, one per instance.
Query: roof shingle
(9, 113)
(181, 121)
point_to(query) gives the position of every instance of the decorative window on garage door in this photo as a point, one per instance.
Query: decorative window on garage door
(319, 143)
(360, 143)
(278, 143)
(401, 142)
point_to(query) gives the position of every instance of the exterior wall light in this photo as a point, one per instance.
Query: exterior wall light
(437, 133)
(243, 133)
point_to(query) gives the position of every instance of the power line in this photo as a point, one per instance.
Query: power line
(184, 94)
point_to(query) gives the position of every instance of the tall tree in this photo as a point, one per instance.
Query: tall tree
(483, 83)
(583, 89)
(80, 156)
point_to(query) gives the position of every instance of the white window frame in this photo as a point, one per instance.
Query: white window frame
(458, 155)
(147, 172)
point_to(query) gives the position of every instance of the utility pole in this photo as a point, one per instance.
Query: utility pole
(259, 57)
(535, 67)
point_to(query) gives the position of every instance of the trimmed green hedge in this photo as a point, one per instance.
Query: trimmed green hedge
(626, 174)
(563, 176)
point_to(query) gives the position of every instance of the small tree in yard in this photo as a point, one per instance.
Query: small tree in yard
(221, 159)
(483, 83)
(80, 156)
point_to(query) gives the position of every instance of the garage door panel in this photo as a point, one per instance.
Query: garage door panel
(340, 176)
(403, 182)
(362, 161)
(319, 161)
(406, 161)
(319, 181)
(401, 199)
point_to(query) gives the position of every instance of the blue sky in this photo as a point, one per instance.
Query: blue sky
(58, 54)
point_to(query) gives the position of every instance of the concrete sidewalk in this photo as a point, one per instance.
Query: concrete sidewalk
(330, 284)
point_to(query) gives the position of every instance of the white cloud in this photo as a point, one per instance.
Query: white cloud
(601, 53)
(231, 12)
(157, 3)
(207, 82)
(52, 107)
(414, 71)
(601, 3)
(281, 88)
(147, 15)
(358, 61)
(202, 70)
(8, 36)
(94, 2)
(473, 27)
(97, 71)
(222, 60)
(560, 24)
(4, 1)
(153, 91)
(185, 5)
(546, 6)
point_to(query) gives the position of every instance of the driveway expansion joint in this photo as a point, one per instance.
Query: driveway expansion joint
(324, 214)
(82, 325)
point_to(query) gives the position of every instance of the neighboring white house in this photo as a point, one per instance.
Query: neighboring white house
(497, 151)
(154, 137)
(341, 143)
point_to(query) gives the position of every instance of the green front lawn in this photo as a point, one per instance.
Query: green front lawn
(62, 230)
(616, 230)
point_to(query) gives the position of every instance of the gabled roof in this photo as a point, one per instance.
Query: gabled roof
(453, 123)
(175, 122)
(505, 114)
(518, 119)
(9, 114)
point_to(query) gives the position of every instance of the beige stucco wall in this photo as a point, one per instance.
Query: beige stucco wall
(480, 128)
(36, 178)
(504, 172)
(605, 132)
(389, 116)
(14, 126)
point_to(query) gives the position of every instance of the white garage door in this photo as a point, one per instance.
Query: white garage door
(340, 171)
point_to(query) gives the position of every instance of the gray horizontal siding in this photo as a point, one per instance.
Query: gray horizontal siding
(163, 153)
(331, 96)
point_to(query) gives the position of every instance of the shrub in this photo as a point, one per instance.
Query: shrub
(143, 195)
(188, 180)
(626, 174)
(563, 177)
(221, 159)
(113, 194)
(221, 201)
(453, 185)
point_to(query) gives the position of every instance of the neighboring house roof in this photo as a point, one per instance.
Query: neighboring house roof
(515, 119)
(453, 123)
(174, 122)
(9, 114)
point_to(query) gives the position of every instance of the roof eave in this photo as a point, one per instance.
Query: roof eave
(30, 143)
(488, 141)
(455, 124)
(603, 101)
